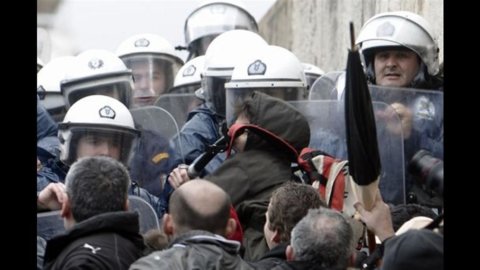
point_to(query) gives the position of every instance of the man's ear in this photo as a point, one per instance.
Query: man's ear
(65, 211)
(230, 228)
(168, 225)
(290, 253)
(127, 204)
(275, 237)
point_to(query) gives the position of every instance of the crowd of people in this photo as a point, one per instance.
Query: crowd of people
(246, 207)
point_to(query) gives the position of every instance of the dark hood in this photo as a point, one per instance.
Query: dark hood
(280, 118)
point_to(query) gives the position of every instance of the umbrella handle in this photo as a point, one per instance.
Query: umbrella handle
(352, 36)
(371, 241)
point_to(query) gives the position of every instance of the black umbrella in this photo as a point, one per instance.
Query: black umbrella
(363, 156)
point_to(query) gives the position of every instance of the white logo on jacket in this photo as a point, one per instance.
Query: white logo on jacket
(94, 249)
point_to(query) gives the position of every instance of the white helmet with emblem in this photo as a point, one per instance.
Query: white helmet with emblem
(273, 70)
(400, 29)
(101, 117)
(213, 18)
(188, 78)
(48, 85)
(98, 72)
(221, 57)
(154, 64)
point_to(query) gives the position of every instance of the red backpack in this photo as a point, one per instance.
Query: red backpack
(330, 176)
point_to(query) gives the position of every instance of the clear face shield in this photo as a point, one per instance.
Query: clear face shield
(80, 141)
(311, 78)
(53, 102)
(236, 96)
(153, 75)
(185, 89)
(118, 87)
(199, 47)
(215, 93)
(215, 19)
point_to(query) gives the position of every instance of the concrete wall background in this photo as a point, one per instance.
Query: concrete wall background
(317, 31)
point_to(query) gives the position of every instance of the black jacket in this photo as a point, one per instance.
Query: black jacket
(105, 241)
(251, 176)
(195, 250)
(273, 257)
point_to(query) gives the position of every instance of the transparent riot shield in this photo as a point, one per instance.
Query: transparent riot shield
(49, 224)
(153, 156)
(421, 114)
(148, 219)
(156, 119)
(328, 87)
(179, 105)
(327, 127)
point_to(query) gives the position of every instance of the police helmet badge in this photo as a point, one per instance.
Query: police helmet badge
(95, 63)
(189, 71)
(107, 112)
(142, 42)
(257, 68)
(386, 29)
(424, 108)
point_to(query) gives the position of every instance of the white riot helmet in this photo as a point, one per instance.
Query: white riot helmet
(211, 19)
(399, 29)
(221, 57)
(154, 64)
(48, 86)
(312, 73)
(97, 119)
(188, 78)
(273, 70)
(97, 72)
(39, 64)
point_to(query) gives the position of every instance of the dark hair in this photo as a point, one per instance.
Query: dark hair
(187, 217)
(96, 185)
(289, 204)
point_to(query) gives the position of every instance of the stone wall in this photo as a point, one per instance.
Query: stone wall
(317, 31)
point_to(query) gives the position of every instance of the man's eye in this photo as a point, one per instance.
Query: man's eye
(382, 55)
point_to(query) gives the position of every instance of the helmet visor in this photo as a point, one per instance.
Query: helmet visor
(215, 93)
(185, 89)
(119, 88)
(83, 141)
(152, 75)
(236, 96)
(216, 19)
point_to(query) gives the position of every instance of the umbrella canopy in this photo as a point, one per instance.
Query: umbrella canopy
(363, 154)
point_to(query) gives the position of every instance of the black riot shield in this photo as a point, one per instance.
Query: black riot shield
(327, 127)
(179, 105)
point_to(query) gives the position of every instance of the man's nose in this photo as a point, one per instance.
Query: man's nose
(391, 61)
(144, 83)
(104, 149)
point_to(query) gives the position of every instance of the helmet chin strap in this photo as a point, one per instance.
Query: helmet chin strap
(237, 129)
